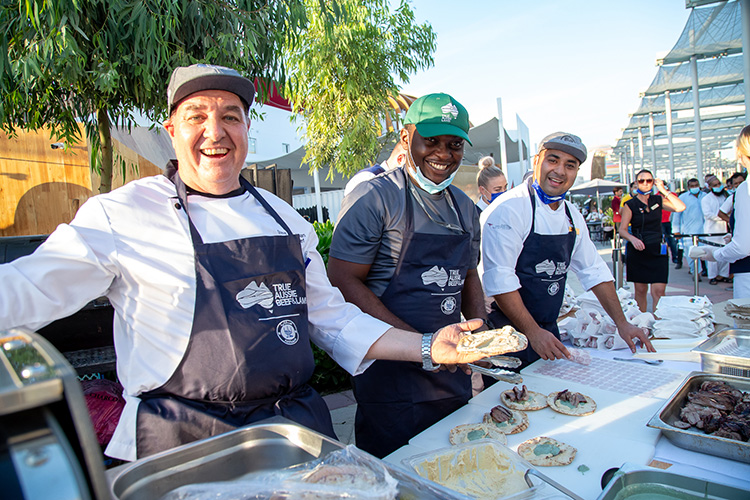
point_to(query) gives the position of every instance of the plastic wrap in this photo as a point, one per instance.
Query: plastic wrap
(342, 474)
(105, 403)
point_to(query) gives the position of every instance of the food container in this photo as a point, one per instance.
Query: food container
(726, 352)
(695, 439)
(482, 469)
(270, 445)
(655, 483)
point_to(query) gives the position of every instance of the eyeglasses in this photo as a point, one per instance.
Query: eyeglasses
(645, 181)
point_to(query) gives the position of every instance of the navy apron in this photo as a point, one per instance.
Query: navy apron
(542, 269)
(249, 354)
(742, 265)
(395, 399)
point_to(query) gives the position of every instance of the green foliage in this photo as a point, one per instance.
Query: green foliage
(328, 377)
(325, 233)
(63, 61)
(341, 72)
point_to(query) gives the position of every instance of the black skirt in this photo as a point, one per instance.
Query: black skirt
(647, 265)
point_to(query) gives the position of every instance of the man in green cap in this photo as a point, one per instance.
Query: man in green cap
(405, 250)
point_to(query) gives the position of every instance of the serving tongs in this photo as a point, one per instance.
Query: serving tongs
(554, 484)
(499, 371)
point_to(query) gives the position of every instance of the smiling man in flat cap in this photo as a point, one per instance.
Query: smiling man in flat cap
(530, 239)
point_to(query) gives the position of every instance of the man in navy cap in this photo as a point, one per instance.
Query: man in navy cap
(530, 239)
(405, 250)
(217, 286)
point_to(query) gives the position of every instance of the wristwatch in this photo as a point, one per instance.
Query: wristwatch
(427, 363)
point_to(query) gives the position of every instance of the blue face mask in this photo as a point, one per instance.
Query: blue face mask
(638, 190)
(546, 199)
(731, 191)
(717, 190)
(430, 186)
(694, 190)
(494, 196)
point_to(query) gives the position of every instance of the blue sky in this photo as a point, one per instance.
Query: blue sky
(576, 65)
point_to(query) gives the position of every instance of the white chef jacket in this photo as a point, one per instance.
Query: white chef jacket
(506, 224)
(133, 245)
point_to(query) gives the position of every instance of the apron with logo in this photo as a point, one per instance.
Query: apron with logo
(249, 355)
(542, 269)
(395, 399)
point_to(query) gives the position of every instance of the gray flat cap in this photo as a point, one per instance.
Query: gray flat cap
(186, 80)
(567, 143)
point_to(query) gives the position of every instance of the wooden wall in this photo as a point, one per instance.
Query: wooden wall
(41, 187)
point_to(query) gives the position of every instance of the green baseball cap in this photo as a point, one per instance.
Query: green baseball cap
(439, 114)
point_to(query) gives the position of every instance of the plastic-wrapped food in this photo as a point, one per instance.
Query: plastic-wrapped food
(345, 473)
(105, 403)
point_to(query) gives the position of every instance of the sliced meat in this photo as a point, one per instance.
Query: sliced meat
(500, 414)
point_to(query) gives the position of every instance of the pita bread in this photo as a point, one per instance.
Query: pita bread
(532, 401)
(493, 342)
(566, 407)
(546, 452)
(471, 432)
(517, 423)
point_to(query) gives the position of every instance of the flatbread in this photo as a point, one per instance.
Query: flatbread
(493, 342)
(517, 423)
(471, 432)
(543, 451)
(535, 401)
(582, 409)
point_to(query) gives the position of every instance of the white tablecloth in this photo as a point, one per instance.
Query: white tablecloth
(627, 394)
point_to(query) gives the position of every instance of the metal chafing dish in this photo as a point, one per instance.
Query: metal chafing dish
(47, 444)
(694, 439)
(636, 482)
(269, 445)
(727, 352)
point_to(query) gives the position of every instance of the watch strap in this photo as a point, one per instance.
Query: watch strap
(427, 363)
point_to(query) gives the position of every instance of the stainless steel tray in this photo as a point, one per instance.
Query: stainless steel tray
(273, 444)
(727, 352)
(654, 483)
(694, 439)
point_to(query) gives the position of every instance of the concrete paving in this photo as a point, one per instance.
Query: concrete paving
(343, 406)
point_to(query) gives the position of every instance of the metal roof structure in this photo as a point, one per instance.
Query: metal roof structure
(696, 104)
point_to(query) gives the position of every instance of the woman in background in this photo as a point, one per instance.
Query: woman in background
(646, 257)
(491, 182)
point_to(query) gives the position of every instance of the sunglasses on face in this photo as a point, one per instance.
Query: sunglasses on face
(645, 181)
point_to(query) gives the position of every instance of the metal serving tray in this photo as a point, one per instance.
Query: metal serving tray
(273, 444)
(694, 439)
(727, 352)
(654, 483)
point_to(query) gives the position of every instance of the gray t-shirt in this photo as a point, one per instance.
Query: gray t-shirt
(371, 223)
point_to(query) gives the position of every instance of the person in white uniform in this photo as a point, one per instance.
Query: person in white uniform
(737, 251)
(718, 272)
(531, 238)
(217, 286)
